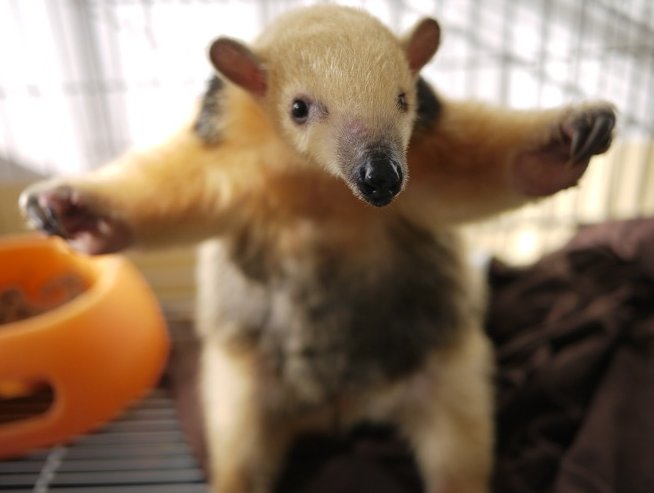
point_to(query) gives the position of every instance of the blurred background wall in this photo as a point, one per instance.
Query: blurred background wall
(83, 80)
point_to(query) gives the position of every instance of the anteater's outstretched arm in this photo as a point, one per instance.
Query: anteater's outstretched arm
(166, 194)
(469, 160)
(186, 189)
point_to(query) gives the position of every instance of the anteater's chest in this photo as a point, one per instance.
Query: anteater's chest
(329, 307)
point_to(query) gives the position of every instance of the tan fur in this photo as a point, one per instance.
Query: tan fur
(282, 223)
(315, 62)
(479, 140)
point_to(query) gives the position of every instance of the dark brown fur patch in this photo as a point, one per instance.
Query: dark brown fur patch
(429, 106)
(335, 326)
(398, 320)
(206, 125)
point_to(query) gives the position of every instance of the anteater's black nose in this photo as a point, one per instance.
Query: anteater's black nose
(379, 179)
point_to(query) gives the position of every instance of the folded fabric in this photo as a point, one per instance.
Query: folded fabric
(575, 374)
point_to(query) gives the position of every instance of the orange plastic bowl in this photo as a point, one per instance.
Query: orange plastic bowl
(98, 352)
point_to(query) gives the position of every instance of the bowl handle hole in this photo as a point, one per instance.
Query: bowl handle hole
(24, 400)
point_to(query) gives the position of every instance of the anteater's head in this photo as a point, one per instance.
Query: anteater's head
(340, 87)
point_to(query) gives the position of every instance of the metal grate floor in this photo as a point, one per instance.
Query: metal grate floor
(144, 451)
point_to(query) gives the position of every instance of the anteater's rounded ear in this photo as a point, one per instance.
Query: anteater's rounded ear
(237, 62)
(421, 43)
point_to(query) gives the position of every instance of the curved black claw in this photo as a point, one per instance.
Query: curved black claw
(42, 217)
(592, 134)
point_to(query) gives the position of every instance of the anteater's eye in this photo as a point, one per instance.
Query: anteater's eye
(402, 102)
(299, 111)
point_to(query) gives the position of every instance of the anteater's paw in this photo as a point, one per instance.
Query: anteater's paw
(63, 210)
(587, 131)
(578, 134)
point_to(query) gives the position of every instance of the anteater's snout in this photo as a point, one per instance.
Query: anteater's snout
(379, 178)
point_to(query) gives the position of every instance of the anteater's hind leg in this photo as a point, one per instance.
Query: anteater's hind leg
(246, 445)
(445, 412)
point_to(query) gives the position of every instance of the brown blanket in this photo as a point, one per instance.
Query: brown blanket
(574, 339)
(574, 336)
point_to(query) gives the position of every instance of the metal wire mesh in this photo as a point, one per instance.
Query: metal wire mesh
(144, 451)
